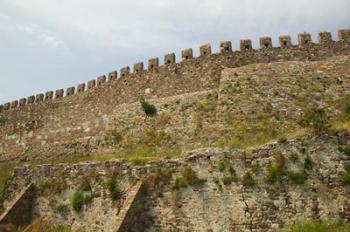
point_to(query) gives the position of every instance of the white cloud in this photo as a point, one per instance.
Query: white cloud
(77, 39)
(41, 35)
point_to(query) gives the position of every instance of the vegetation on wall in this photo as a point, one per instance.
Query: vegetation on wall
(113, 189)
(248, 180)
(316, 226)
(317, 119)
(80, 199)
(149, 109)
(6, 170)
(2, 120)
(188, 177)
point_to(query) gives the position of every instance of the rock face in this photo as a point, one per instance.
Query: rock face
(236, 191)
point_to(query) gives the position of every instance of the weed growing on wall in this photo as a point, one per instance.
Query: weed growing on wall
(149, 109)
(248, 180)
(113, 189)
(316, 119)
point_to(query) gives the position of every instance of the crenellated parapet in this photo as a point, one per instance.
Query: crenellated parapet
(153, 66)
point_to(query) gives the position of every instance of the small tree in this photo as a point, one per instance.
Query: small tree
(149, 109)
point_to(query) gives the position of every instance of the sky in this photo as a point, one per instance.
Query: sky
(52, 44)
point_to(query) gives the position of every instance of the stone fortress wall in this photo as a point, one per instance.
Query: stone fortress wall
(324, 38)
(216, 205)
(83, 113)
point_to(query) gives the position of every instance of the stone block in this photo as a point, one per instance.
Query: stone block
(22, 101)
(30, 99)
(112, 76)
(245, 45)
(265, 42)
(91, 84)
(187, 54)
(205, 50)
(344, 35)
(39, 97)
(81, 88)
(48, 95)
(325, 37)
(153, 64)
(304, 39)
(101, 80)
(70, 91)
(124, 72)
(138, 68)
(169, 59)
(14, 104)
(226, 47)
(59, 93)
(7, 106)
(285, 41)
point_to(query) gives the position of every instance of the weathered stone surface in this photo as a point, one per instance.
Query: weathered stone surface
(19, 212)
(53, 132)
(215, 206)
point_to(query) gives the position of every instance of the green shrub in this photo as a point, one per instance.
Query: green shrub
(232, 172)
(221, 166)
(346, 103)
(113, 189)
(255, 167)
(347, 167)
(308, 163)
(149, 109)
(282, 140)
(296, 177)
(276, 171)
(2, 120)
(248, 180)
(155, 181)
(217, 182)
(190, 177)
(345, 178)
(280, 162)
(140, 161)
(114, 137)
(272, 176)
(62, 209)
(304, 143)
(346, 150)
(78, 201)
(316, 119)
(316, 226)
(227, 180)
(179, 183)
(294, 157)
(85, 186)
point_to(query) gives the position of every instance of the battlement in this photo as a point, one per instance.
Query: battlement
(265, 43)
